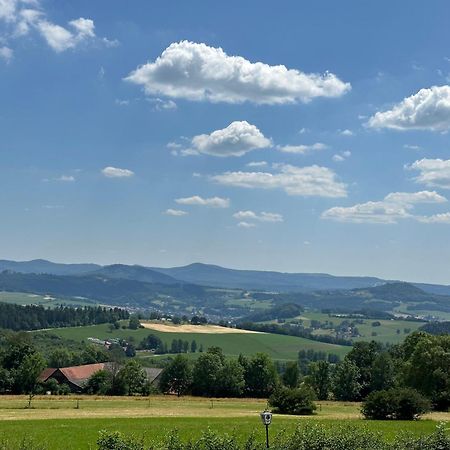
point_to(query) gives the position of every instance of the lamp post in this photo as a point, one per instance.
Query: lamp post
(266, 418)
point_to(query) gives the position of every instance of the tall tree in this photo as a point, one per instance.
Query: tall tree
(291, 375)
(133, 377)
(260, 376)
(320, 378)
(177, 376)
(346, 386)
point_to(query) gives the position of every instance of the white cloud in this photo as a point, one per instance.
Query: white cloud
(6, 54)
(122, 102)
(339, 157)
(236, 139)
(244, 224)
(432, 172)
(199, 72)
(175, 212)
(22, 16)
(301, 149)
(115, 172)
(395, 206)
(347, 132)
(411, 147)
(305, 181)
(429, 109)
(163, 105)
(173, 145)
(262, 217)
(257, 164)
(213, 202)
(66, 178)
(412, 198)
(436, 218)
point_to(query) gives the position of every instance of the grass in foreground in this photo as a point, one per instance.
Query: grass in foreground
(56, 421)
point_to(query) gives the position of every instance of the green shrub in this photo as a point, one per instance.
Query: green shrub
(307, 436)
(396, 404)
(297, 401)
(117, 441)
(318, 436)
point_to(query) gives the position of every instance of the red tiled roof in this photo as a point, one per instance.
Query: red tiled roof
(79, 374)
(46, 374)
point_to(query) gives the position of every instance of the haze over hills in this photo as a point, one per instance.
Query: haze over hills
(214, 290)
(211, 275)
(214, 276)
(44, 266)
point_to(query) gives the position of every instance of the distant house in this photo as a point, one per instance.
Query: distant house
(77, 376)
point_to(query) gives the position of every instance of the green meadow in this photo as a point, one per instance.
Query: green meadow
(278, 347)
(74, 422)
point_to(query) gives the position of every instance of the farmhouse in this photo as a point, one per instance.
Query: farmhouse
(77, 376)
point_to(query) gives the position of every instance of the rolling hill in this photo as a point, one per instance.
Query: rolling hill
(211, 275)
(215, 276)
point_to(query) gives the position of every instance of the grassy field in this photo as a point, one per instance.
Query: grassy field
(57, 421)
(276, 346)
(385, 333)
(22, 298)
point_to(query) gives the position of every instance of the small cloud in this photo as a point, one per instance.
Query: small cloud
(6, 54)
(115, 172)
(257, 164)
(262, 217)
(122, 102)
(346, 132)
(412, 147)
(65, 178)
(175, 212)
(163, 105)
(236, 139)
(173, 146)
(305, 181)
(213, 202)
(246, 225)
(301, 149)
(306, 243)
(339, 157)
(303, 131)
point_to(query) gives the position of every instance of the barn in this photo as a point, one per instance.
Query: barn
(77, 376)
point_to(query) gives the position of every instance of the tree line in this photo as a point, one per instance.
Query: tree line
(416, 371)
(33, 317)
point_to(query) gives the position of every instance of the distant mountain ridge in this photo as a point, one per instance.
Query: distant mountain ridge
(137, 273)
(211, 275)
(214, 276)
(44, 266)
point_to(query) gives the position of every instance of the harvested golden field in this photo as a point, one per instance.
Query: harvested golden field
(202, 329)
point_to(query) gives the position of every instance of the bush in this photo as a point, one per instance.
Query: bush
(117, 441)
(297, 401)
(396, 404)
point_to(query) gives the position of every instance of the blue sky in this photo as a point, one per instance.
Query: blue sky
(297, 136)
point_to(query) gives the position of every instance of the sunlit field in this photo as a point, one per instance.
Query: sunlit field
(74, 422)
